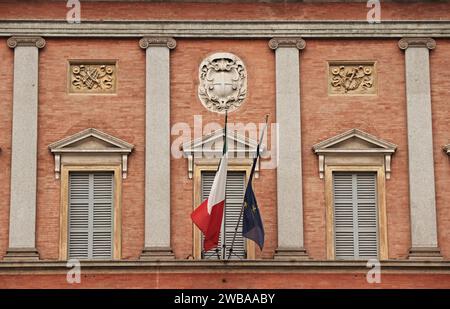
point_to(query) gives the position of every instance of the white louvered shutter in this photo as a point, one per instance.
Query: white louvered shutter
(234, 198)
(90, 215)
(355, 215)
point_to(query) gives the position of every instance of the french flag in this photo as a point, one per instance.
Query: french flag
(208, 216)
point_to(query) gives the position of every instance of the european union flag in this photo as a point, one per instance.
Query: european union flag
(252, 226)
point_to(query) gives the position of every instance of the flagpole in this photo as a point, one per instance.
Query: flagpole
(225, 149)
(251, 175)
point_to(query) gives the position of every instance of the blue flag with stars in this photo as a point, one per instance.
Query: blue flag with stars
(252, 223)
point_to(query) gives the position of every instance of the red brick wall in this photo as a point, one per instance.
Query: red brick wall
(121, 115)
(440, 93)
(234, 11)
(260, 63)
(6, 85)
(383, 115)
(227, 280)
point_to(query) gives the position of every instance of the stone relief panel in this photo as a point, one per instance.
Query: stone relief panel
(352, 78)
(223, 82)
(92, 77)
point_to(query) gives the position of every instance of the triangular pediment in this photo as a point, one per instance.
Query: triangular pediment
(213, 142)
(354, 141)
(91, 140)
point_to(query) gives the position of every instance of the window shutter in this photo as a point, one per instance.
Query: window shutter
(103, 215)
(355, 215)
(90, 215)
(79, 200)
(367, 216)
(234, 197)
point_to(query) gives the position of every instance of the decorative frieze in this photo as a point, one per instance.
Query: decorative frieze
(93, 78)
(346, 78)
(223, 82)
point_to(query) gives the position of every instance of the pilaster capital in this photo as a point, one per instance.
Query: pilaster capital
(147, 42)
(36, 41)
(405, 43)
(287, 42)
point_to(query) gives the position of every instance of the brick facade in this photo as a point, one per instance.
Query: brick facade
(123, 115)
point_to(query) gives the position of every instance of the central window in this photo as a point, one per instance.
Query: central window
(234, 196)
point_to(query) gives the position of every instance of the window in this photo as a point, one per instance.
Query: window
(355, 215)
(234, 197)
(91, 199)
(355, 166)
(91, 165)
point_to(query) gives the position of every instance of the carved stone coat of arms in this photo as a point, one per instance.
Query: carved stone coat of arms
(223, 82)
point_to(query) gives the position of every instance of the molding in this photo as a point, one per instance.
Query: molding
(117, 207)
(22, 254)
(427, 253)
(381, 205)
(239, 166)
(287, 42)
(147, 42)
(73, 145)
(405, 43)
(240, 147)
(377, 147)
(212, 266)
(226, 29)
(34, 41)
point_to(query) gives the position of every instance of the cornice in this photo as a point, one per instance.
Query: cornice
(226, 29)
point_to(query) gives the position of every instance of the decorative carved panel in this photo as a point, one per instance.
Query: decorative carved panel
(223, 82)
(94, 78)
(347, 78)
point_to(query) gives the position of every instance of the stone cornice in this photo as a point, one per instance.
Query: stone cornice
(226, 29)
(417, 42)
(36, 41)
(202, 266)
(157, 41)
(287, 42)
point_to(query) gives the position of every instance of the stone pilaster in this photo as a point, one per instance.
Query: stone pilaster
(420, 148)
(289, 170)
(157, 148)
(22, 217)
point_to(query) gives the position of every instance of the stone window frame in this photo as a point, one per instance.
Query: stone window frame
(117, 207)
(333, 159)
(111, 155)
(206, 165)
(240, 159)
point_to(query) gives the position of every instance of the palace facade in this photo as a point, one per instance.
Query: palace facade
(111, 128)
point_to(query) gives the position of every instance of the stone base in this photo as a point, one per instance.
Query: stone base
(425, 253)
(21, 254)
(290, 254)
(157, 253)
